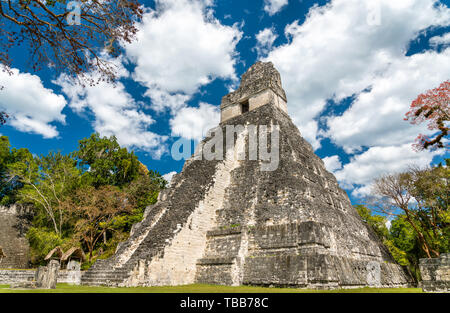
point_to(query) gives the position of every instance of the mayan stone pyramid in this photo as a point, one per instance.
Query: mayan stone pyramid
(230, 222)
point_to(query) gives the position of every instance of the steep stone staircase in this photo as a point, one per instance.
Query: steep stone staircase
(103, 275)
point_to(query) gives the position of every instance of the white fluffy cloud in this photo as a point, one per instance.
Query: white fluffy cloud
(354, 48)
(274, 6)
(377, 161)
(32, 107)
(115, 113)
(332, 163)
(339, 51)
(180, 47)
(376, 117)
(265, 39)
(440, 40)
(193, 123)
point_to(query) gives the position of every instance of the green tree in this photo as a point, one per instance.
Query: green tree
(431, 192)
(404, 245)
(90, 198)
(403, 235)
(42, 240)
(5, 159)
(46, 180)
(377, 222)
(420, 197)
(95, 211)
(400, 238)
(5, 154)
(8, 185)
(104, 162)
(143, 191)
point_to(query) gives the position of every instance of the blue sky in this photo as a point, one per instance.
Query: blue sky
(350, 69)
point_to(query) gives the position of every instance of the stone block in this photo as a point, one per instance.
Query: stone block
(24, 285)
(47, 276)
(435, 274)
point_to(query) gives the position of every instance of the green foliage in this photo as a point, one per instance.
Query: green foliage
(107, 249)
(104, 162)
(42, 241)
(85, 191)
(95, 212)
(403, 235)
(419, 197)
(5, 154)
(376, 222)
(9, 184)
(407, 246)
(400, 239)
(144, 192)
(46, 181)
(399, 256)
(431, 191)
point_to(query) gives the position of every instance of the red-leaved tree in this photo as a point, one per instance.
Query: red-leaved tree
(434, 108)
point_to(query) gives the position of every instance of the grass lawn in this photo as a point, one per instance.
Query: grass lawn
(65, 288)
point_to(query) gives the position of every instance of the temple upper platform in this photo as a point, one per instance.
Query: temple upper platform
(260, 85)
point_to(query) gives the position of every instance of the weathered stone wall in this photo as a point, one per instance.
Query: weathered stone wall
(230, 112)
(8, 277)
(260, 85)
(72, 275)
(12, 238)
(436, 274)
(265, 97)
(255, 101)
(294, 226)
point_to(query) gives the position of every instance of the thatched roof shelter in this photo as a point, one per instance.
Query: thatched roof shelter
(55, 254)
(74, 254)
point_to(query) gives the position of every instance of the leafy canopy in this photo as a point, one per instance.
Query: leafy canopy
(46, 181)
(104, 162)
(421, 197)
(89, 198)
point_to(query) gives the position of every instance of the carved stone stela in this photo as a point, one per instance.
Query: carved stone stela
(227, 222)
